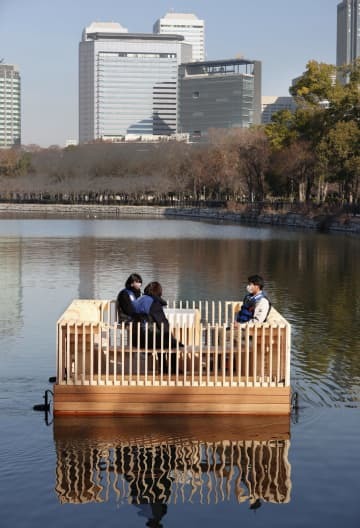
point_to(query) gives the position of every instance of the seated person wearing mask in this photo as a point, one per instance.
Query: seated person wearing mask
(256, 306)
(126, 298)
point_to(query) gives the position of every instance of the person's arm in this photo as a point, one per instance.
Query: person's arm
(158, 315)
(125, 304)
(261, 311)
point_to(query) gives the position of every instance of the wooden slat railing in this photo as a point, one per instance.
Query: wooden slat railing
(93, 349)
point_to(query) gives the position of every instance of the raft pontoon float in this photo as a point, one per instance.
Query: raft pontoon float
(221, 369)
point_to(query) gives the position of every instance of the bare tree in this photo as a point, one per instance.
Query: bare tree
(252, 155)
(297, 161)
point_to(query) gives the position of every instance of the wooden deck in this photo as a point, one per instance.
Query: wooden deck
(219, 370)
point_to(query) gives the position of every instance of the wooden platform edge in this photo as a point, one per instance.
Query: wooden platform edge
(152, 428)
(100, 400)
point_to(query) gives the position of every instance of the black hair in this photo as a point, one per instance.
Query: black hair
(134, 277)
(256, 279)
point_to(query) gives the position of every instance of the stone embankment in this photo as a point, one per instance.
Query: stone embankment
(345, 223)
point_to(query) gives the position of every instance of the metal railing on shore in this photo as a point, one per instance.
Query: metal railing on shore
(179, 200)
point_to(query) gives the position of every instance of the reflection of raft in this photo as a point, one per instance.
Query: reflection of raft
(139, 460)
(220, 369)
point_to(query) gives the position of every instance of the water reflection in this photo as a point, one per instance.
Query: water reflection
(87, 268)
(155, 462)
(11, 318)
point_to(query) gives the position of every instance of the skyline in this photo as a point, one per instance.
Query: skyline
(42, 39)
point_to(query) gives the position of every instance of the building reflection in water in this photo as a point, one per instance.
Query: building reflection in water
(189, 459)
(11, 292)
(87, 268)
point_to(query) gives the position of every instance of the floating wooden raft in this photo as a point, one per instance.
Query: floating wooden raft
(221, 369)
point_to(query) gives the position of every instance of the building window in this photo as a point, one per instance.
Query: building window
(196, 95)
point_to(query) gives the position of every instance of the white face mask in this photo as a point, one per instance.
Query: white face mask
(250, 288)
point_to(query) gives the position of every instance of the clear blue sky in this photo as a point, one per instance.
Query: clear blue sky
(42, 36)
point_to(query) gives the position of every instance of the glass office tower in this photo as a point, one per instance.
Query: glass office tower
(128, 83)
(219, 94)
(348, 32)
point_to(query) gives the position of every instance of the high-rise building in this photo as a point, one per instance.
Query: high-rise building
(189, 26)
(348, 32)
(10, 106)
(270, 104)
(219, 94)
(128, 82)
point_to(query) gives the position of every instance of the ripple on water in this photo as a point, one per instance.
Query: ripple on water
(319, 387)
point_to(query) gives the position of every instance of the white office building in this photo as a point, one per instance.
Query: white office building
(189, 26)
(10, 106)
(348, 32)
(128, 83)
(270, 104)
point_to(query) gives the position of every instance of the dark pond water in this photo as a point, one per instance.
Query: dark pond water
(180, 473)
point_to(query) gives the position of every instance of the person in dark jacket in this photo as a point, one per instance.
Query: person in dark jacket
(256, 306)
(125, 302)
(150, 308)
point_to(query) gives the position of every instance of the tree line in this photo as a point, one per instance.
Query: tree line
(309, 155)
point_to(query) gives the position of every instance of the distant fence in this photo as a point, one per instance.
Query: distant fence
(176, 200)
(104, 198)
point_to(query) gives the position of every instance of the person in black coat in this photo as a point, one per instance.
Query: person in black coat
(150, 309)
(125, 302)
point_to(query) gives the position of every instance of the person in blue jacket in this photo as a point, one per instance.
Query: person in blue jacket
(150, 308)
(125, 302)
(256, 306)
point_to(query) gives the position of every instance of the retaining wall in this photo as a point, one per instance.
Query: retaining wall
(322, 222)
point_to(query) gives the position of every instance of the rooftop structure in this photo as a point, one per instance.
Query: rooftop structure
(106, 28)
